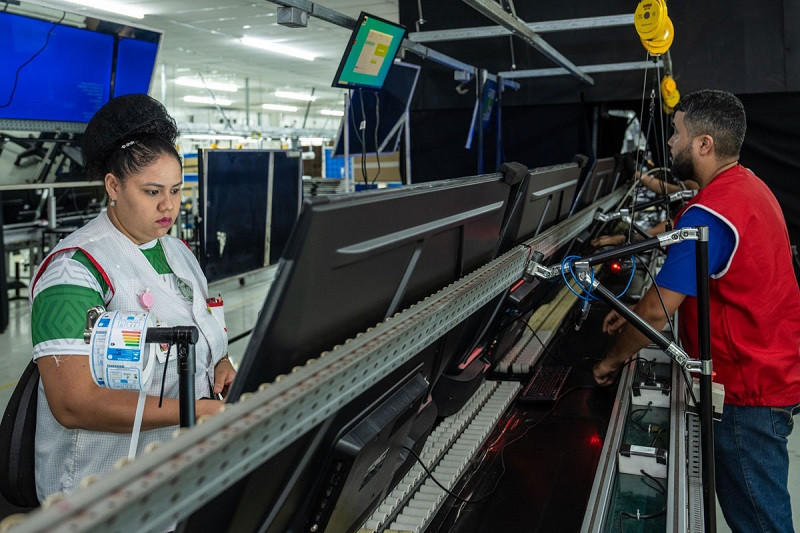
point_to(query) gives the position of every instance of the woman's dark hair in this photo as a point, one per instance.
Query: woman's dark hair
(126, 135)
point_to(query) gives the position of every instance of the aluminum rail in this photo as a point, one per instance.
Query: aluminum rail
(483, 32)
(177, 477)
(495, 12)
(339, 19)
(591, 69)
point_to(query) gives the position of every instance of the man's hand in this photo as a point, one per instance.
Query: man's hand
(608, 240)
(613, 322)
(605, 373)
(224, 374)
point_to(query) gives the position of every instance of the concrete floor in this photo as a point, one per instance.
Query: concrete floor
(242, 305)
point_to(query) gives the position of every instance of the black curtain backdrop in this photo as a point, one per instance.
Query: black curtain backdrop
(749, 48)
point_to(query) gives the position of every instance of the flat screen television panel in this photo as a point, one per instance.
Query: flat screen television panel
(134, 67)
(249, 201)
(598, 183)
(69, 79)
(384, 109)
(550, 194)
(370, 51)
(60, 68)
(353, 260)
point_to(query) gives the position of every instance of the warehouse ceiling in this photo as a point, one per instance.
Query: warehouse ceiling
(203, 38)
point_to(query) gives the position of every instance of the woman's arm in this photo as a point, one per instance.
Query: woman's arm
(77, 402)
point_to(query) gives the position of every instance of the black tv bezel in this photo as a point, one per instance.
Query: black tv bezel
(349, 49)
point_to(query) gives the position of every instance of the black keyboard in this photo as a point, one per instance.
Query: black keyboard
(545, 385)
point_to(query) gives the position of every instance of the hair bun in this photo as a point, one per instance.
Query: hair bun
(123, 118)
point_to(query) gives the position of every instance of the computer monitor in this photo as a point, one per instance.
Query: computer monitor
(69, 80)
(57, 74)
(352, 261)
(385, 110)
(370, 51)
(136, 60)
(249, 201)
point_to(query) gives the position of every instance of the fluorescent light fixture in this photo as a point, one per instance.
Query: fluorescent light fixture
(212, 136)
(279, 107)
(206, 100)
(111, 7)
(332, 112)
(278, 48)
(188, 81)
(313, 141)
(295, 96)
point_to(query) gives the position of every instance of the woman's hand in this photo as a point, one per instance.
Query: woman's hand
(224, 373)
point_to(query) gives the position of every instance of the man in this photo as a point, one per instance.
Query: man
(754, 307)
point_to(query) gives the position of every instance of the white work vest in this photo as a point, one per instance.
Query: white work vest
(64, 456)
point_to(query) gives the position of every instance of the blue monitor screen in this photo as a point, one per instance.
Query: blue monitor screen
(369, 54)
(67, 81)
(135, 61)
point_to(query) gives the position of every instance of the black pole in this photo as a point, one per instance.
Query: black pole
(706, 407)
(635, 320)
(498, 158)
(186, 369)
(184, 337)
(622, 251)
(480, 74)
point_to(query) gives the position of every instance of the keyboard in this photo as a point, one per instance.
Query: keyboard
(545, 385)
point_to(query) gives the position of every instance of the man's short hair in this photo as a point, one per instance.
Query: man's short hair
(718, 114)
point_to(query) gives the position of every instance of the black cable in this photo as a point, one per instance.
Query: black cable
(164, 376)
(544, 346)
(430, 475)
(661, 490)
(34, 56)
(377, 122)
(536, 424)
(363, 139)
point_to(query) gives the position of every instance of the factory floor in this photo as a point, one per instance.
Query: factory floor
(242, 304)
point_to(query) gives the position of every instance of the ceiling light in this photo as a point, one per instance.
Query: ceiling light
(279, 107)
(212, 136)
(206, 100)
(187, 81)
(111, 7)
(278, 48)
(295, 96)
(332, 112)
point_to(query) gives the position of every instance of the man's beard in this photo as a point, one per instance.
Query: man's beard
(682, 165)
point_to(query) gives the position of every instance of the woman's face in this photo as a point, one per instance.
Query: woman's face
(147, 203)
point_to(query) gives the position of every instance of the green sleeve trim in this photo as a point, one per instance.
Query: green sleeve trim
(59, 312)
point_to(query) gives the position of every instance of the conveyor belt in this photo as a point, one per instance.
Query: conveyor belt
(448, 451)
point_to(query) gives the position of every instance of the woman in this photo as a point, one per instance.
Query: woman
(122, 260)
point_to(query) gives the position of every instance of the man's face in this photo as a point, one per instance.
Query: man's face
(681, 162)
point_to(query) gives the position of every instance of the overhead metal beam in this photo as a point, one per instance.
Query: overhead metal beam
(483, 32)
(334, 17)
(591, 69)
(496, 13)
